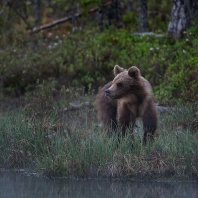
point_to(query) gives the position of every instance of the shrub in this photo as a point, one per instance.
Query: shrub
(87, 57)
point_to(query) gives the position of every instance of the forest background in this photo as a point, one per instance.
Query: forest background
(60, 44)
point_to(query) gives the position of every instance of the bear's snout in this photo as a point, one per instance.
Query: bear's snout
(107, 92)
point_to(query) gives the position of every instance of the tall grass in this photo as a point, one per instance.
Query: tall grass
(77, 148)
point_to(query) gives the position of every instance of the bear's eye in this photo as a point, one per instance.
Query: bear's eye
(119, 85)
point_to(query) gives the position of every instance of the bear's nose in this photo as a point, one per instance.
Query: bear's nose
(107, 92)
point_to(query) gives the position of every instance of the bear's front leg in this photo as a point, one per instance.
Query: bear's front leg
(124, 118)
(149, 122)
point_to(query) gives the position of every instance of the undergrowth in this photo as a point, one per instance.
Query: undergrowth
(71, 143)
(87, 57)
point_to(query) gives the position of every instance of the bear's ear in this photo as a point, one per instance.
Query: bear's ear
(117, 70)
(134, 72)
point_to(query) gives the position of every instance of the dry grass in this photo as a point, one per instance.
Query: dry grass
(72, 143)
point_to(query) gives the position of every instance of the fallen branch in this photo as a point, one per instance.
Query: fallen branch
(56, 22)
(62, 20)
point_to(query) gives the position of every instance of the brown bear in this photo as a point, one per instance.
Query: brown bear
(128, 97)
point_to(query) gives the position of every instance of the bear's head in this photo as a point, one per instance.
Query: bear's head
(124, 83)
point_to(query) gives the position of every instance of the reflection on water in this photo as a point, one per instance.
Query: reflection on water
(17, 185)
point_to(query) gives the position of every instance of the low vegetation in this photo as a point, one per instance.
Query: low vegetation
(70, 142)
(77, 60)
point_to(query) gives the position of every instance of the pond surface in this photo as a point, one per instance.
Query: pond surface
(18, 185)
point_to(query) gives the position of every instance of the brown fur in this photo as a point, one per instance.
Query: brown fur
(130, 96)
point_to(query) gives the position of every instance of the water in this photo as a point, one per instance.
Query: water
(18, 185)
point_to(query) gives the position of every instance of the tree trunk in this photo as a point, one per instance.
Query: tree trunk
(37, 12)
(183, 15)
(73, 21)
(118, 13)
(130, 7)
(143, 19)
(110, 13)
